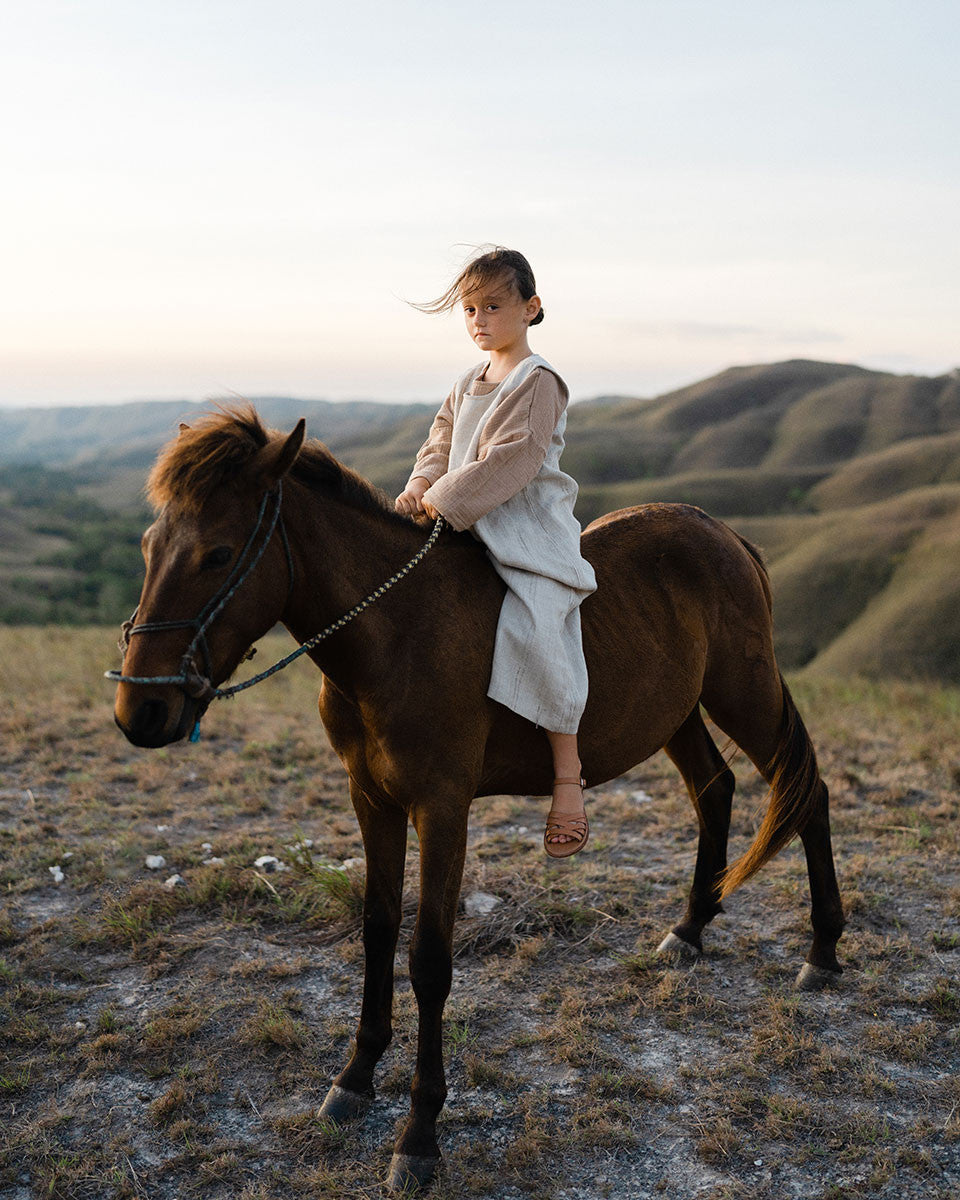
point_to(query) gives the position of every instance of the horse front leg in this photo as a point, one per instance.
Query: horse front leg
(443, 841)
(384, 832)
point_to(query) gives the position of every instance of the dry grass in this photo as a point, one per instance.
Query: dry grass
(177, 1043)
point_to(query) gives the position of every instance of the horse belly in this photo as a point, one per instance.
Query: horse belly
(645, 670)
(646, 635)
(646, 674)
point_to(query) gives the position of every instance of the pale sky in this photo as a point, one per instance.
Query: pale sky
(237, 196)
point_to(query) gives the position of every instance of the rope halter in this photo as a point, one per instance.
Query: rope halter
(197, 685)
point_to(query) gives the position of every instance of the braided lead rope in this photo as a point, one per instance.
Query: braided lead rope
(304, 647)
(224, 693)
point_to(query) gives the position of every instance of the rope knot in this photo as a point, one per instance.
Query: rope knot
(198, 687)
(123, 645)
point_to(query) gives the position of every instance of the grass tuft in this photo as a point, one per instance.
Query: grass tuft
(274, 1027)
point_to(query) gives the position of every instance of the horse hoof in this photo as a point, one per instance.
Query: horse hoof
(815, 979)
(676, 948)
(409, 1174)
(341, 1106)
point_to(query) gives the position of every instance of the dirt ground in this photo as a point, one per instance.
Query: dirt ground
(176, 1042)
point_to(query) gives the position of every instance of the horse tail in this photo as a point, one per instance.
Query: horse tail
(794, 779)
(759, 565)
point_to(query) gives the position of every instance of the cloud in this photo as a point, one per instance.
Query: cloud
(700, 331)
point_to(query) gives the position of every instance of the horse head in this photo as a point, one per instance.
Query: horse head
(214, 557)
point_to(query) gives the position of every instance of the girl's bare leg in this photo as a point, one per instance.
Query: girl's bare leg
(567, 797)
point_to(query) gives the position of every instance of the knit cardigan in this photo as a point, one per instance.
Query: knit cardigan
(512, 448)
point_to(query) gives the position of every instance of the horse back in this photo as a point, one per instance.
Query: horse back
(679, 595)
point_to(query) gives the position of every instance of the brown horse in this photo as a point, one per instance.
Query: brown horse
(681, 618)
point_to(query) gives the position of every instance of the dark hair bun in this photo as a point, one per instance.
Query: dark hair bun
(538, 318)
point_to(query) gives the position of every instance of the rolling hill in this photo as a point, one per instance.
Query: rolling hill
(848, 479)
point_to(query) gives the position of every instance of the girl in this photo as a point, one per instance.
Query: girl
(491, 465)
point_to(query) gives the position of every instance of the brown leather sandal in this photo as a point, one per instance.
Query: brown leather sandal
(570, 824)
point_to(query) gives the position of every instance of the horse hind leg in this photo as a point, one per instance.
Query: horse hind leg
(710, 783)
(765, 723)
(826, 910)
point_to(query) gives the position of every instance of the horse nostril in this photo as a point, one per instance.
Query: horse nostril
(149, 721)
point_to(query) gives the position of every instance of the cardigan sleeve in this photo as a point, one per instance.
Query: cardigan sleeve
(513, 446)
(434, 454)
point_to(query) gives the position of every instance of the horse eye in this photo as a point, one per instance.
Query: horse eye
(219, 557)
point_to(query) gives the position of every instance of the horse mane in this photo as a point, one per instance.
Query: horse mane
(217, 448)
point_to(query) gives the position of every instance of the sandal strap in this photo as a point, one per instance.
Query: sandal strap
(573, 824)
(572, 827)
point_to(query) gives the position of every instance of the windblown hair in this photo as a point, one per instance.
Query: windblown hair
(493, 265)
(217, 449)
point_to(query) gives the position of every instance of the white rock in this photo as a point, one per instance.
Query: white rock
(174, 881)
(163, 828)
(303, 844)
(270, 862)
(207, 846)
(79, 1024)
(641, 797)
(350, 864)
(155, 862)
(69, 854)
(479, 904)
(58, 875)
(212, 862)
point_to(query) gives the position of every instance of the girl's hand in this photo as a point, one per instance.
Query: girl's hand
(429, 509)
(410, 500)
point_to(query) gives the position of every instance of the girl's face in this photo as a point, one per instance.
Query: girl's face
(497, 319)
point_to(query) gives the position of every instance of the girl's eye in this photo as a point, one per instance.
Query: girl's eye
(219, 557)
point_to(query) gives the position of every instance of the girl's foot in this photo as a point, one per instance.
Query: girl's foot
(567, 829)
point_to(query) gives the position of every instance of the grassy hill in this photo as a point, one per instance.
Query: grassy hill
(849, 479)
(120, 435)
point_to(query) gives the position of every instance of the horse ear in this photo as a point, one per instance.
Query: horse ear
(276, 458)
(184, 428)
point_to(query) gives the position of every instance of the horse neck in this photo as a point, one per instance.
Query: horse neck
(340, 555)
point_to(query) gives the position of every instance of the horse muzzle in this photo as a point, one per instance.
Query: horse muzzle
(153, 721)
